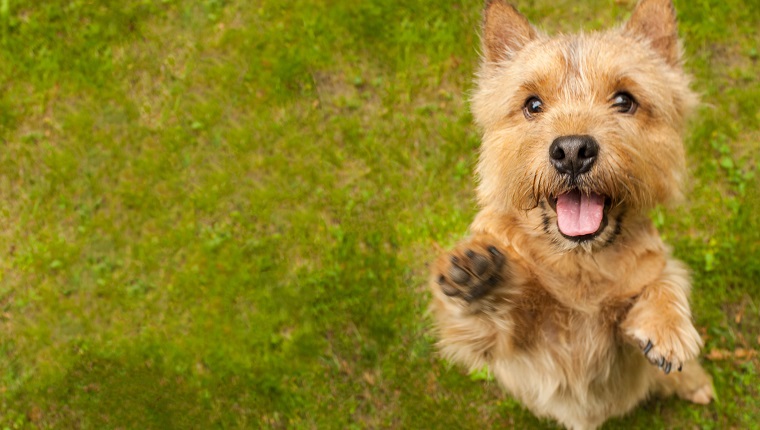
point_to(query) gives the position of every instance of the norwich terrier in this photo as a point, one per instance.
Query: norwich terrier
(564, 288)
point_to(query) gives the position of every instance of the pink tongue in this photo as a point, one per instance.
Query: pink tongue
(579, 214)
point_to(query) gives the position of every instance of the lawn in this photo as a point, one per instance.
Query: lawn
(219, 214)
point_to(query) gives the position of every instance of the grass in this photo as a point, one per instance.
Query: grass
(218, 214)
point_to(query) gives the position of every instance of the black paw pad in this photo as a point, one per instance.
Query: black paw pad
(458, 275)
(472, 274)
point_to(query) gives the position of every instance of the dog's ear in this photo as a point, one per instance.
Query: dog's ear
(655, 20)
(505, 31)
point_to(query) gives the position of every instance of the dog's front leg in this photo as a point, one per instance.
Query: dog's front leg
(660, 320)
(470, 286)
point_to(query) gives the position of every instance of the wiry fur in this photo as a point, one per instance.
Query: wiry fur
(562, 323)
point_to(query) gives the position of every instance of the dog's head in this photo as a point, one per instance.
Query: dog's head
(584, 128)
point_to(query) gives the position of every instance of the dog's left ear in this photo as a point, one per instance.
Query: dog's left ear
(655, 20)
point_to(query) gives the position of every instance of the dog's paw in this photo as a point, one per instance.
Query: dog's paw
(696, 385)
(470, 271)
(669, 348)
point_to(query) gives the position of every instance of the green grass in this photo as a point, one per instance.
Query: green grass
(218, 214)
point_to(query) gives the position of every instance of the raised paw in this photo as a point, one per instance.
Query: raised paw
(471, 271)
(660, 324)
(667, 350)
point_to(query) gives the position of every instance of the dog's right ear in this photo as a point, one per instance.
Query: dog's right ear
(505, 31)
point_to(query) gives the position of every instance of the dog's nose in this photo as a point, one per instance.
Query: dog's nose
(573, 154)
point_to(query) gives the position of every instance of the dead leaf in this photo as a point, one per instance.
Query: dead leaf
(718, 354)
(724, 354)
(345, 367)
(742, 353)
(739, 316)
(35, 414)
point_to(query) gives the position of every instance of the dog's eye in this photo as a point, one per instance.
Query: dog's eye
(532, 106)
(624, 103)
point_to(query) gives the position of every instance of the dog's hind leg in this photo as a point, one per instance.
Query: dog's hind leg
(693, 383)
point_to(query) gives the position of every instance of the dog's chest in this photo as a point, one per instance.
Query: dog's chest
(572, 336)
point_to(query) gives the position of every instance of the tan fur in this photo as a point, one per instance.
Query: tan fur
(560, 323)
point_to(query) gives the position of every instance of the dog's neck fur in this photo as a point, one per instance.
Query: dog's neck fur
(589, 275)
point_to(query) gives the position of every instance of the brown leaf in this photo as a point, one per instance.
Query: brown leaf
(369, 378)
(35, 414)
(718, 354)
(346, 368)
(739, 316)
(742, 353)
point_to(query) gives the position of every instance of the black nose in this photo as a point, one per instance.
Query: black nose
(573, 154)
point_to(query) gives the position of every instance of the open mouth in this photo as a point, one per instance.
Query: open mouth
(581, 216)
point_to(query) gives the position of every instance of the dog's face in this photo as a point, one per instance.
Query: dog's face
(581, 128)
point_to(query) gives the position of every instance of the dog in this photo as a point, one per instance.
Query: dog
(564, 288)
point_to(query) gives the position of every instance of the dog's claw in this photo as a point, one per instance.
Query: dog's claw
(648, 347)
(658, 359)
